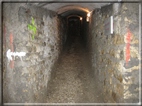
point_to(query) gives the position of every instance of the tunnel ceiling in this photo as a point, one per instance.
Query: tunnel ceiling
(62, 7)
(67, 7)
(74, 12)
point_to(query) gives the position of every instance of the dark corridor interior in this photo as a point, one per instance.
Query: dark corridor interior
(72, 78)
(74, 29)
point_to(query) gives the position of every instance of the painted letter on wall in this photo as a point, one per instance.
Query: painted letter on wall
(9, 55)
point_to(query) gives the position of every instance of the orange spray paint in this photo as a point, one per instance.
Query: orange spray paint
(128, 40)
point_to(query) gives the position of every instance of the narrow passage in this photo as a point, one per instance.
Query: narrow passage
(72, 80)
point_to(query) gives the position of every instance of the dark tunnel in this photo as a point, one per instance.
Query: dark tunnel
(70, 53)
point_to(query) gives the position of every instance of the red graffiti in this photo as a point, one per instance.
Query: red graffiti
(12, 49)
(11, 42)
(128, 40)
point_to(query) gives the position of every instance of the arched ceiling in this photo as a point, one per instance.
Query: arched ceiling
(74, 16)
(63, 6)
(74, 12)
(72, 6)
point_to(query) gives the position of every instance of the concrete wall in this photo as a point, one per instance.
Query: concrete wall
(115, 57)
(26, 79)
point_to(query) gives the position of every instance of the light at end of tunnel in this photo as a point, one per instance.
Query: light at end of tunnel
(87, 19)
(80, 18)
(88, 14)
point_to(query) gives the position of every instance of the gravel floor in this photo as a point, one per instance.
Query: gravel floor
(72, 80)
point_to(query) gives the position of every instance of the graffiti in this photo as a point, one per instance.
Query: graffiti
(32, 27)
(128, 41)
(11, 42)
(9, 55)
(12, 49)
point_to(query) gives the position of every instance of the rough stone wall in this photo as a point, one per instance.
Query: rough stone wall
(63, 31)
(131, 71)
(115, 57)
(26, 78)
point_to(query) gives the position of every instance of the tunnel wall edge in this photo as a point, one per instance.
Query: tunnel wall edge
(34, 34)
(115, 57)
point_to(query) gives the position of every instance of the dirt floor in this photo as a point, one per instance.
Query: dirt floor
(72, 79)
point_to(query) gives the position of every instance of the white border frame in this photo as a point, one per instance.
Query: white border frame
(99, 103)
(140, 50)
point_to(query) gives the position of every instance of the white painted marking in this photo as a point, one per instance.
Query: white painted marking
(108, 26)
(111, 25)
(9, 54)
